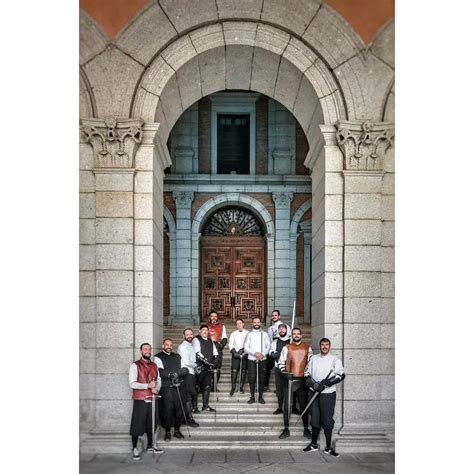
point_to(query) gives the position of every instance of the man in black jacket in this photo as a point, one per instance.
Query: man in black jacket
(172, 371)
(206, 357)
(277, 345)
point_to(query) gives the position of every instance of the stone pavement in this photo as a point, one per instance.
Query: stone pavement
(239, 461)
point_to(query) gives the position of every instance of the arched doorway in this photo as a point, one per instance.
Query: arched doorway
(232, 263)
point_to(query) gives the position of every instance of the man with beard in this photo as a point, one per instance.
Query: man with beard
(273, 335)
(144, 379)
(206, 356)
(188, 356)
(239, 357)
(275, 352)
(257, 346)
(172, 372)
(323, 372)
(218, 335)
(292, 363)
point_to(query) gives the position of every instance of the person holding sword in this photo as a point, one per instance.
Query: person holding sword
(144, 379)
(323, 372)
(257, 346)
(292, 364)
(239, 357)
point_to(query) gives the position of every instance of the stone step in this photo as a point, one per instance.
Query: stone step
(241, 433)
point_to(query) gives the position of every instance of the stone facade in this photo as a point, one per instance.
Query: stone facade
(322, 85)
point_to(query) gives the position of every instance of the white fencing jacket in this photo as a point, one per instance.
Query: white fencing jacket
(257, 341)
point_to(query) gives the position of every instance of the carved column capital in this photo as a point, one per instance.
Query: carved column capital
(183, 199)
(364, 143)
(114, 141)
(282, 199)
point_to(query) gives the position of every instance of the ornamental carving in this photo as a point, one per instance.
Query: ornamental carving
(364, 144)
(114, 141)
(282, 200)
(183, 199)
(233, 222)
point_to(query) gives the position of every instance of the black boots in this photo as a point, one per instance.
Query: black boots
(233, 380)
(242, 382)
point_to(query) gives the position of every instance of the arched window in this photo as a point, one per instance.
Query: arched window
(232, 221)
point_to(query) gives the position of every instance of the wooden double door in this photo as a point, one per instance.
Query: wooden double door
(233, 276)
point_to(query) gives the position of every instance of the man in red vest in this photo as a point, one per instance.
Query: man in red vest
(144, 379)
(218, 335)
(292, 363)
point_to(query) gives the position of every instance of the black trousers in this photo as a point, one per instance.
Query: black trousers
(270, 362)
(322, 411)
(279, 386)
(262, 369)
(190, 388)
(218, 364)
(142, 417)
(171, 412)
(235, 363)
(203, 384)
(299, 392)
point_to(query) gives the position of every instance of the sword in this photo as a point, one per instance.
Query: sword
(153, 398)
(290, 382)
(216, 398)
(311, 401)
(240, 372)
(182, 407)
(293, 318)
(153, 423)
(256, 365)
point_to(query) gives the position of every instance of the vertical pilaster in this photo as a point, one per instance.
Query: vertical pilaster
(368, 275)
(184, 307)
(120, 260)
(307, 272)
(282, 253)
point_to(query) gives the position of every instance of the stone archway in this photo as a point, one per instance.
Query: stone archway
(318, 68)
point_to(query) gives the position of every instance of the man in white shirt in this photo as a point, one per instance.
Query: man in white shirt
(144, 379)
(257, 346)
(323, 372)
(188, 356)
(239, 357)
(273, 334)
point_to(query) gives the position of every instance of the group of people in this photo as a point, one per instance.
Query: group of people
(304, 381)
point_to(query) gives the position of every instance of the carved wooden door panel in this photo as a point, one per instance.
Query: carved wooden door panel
(233, 277)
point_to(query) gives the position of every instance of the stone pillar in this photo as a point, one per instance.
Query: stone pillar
(368, 313)
(184, 312)
(306, 229)
(117, 263)
(283, 263)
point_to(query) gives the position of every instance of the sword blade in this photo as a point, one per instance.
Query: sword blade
(307, 406)
(153, 422)
(289, 399)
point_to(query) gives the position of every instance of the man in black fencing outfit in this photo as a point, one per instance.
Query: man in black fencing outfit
(206, 357)
(172, 372)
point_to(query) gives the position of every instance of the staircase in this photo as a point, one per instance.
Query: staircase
(237, 424)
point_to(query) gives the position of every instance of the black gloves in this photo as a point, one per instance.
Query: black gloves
(276, 355)
(171, 375)
(223, 343)
(329, 382)
(313, 385)
(183, 371)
